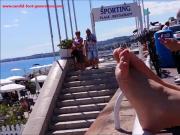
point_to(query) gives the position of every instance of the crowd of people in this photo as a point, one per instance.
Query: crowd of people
(85, 52)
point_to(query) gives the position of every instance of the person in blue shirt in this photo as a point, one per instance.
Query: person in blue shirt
(91, 47)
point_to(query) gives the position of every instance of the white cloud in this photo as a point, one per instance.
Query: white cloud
(160, 8)
(15, 23)
(16, 20)
(10, 25)
(24, 12)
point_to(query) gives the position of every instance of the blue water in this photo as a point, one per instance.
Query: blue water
(24, 65)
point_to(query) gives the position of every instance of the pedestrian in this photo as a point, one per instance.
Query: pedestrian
(91, 47)
(78, 51)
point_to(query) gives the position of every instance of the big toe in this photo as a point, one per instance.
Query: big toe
(116, 53)
(122, 68)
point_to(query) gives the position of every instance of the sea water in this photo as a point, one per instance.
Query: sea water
(24, 65)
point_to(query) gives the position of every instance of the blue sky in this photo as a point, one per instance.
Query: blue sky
(25, 31)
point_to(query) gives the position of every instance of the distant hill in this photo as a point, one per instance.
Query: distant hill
(43, 55)
(115, 40)
(102, 45)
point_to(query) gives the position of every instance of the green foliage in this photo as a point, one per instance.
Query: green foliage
(66, 44)
(11, 115)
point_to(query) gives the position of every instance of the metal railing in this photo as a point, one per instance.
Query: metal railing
(11, 129)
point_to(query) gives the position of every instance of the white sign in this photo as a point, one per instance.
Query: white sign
(115, 12)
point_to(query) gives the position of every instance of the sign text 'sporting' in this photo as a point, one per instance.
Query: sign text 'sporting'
(115, 12)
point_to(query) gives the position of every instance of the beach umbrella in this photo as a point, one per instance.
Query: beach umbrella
(40, 78)
(36, 64)
(16, 78)
(11, 88)
(39, 67)
(38, 87)
(15, 69)
(36, 67)
(48, 65)
(5, 81)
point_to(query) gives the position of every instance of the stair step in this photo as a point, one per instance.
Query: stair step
(91, 71)
(86, 94)
(83, 101)
(76, 116)
(90, 82)
(89, 77)
(80, 131)
(80, 108)
(71, 124)
(113, 85)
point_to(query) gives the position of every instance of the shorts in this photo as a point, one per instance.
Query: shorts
(92, 54)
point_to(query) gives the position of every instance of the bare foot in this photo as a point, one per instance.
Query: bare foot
(137, 63)
(156, 104)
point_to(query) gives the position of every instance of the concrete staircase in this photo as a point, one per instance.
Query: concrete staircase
(84, 95)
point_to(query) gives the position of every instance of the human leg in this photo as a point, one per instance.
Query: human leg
(81, 60)
(95, 58)
(90, 58)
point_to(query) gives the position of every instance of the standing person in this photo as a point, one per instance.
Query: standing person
(78, 50)
(174, 46)
(92, 51)
(166, 26)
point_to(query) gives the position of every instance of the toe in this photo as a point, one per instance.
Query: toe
(116, 53)
(122, 69)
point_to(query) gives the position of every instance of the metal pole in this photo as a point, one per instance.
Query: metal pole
(148, 19)
(143, 13)
(90, 4)
(57, 19)
(74, 11)
(69, 9)
(92, 18)
(64, 17)
(50, 26)
(93, 24)
(136, 18)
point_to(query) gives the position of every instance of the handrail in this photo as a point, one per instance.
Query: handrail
(37, 123)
